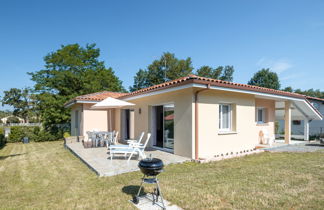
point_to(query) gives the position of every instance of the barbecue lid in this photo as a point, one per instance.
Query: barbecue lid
(151, 163)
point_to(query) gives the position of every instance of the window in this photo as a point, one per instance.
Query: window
(296, 122)
(316, 105)
(261, 115)
(225, 117)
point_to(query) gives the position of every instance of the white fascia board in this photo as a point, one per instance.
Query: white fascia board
(316, 114)
(249, 92)
(80, 102)
(167, 90)
(212, 87)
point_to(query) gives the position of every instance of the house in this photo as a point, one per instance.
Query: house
(194, 116)
(316, 127)
(4, 120)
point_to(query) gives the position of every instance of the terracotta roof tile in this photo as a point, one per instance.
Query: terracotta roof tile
(215, 82)
(315, 98)
(98, 96)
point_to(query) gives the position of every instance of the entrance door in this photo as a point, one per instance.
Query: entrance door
(164, 126)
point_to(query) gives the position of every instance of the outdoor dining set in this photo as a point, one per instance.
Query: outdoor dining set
(109, 140)
(101, 138)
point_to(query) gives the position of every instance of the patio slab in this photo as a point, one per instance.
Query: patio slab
(98, 159)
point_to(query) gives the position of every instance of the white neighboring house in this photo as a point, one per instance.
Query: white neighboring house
(316, 127)
(4, 120)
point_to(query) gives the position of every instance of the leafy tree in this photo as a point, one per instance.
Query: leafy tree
(207, 71)
(70, 71)
(5, 113)
(227, 74)
(21, 100)
(288, 89)
(221, 72)
(168, 67)
(311, 92)
(140, 80)
(265, 78)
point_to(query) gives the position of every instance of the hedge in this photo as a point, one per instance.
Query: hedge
(17, 133)
(2, 138)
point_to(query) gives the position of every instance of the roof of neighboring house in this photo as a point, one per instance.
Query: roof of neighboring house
(315, 98)
(98, 96)
(215, 82)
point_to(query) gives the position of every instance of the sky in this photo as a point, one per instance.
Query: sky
(285, 36)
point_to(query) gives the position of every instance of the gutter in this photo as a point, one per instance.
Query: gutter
(196, 121)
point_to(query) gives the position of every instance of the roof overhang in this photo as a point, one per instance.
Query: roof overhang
(71, 103)
(110, 103)
(301, 103)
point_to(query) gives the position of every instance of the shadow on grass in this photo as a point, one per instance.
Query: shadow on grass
(133, 190)
(13, 155)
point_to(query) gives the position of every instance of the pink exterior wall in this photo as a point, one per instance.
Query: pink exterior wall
(270, 106)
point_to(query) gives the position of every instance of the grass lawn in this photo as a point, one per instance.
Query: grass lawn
(45, 175)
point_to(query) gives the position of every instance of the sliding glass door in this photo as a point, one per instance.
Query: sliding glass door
(168, 126)
(164, 126)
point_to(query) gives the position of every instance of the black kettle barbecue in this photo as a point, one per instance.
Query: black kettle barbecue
(151, 167)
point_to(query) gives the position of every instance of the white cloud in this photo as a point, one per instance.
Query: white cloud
(278, 66)
(291, 76)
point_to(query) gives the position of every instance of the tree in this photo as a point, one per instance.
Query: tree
(21, 100)
(288, 89)
(168, 67)
(311, 92)
(140, 80)
(221, 72)
(265, 78)
(70, 71)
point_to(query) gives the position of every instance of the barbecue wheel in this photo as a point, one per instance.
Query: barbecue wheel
(135, 200)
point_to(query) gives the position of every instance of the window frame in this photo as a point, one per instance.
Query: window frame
(263, 116)
(230, 120)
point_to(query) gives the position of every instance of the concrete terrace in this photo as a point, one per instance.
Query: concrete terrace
(98, 159)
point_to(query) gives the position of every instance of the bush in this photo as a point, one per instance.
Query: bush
(36, 134)
(66, 134)
(2, 140)
(17, 133)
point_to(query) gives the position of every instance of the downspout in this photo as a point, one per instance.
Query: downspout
(196, 121)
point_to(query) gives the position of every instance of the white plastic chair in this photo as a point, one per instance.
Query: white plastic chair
(129, 149)
(136, 141)
(268, 138)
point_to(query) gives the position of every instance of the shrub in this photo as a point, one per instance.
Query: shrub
(66, 134)
(36, 134)
(17, 133)
(2, 140)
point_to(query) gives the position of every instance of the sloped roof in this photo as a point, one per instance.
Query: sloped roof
(98, 96)
(215, 82)
(315, 98)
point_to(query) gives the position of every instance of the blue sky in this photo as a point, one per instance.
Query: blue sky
(286, 36)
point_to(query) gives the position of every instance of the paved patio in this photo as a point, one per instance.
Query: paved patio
(278, 143)
(98, 159)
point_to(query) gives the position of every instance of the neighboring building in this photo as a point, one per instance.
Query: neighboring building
(194, 116)
(316, 127)
(4, 120)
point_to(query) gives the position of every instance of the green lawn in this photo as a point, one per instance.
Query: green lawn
(45, 175)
